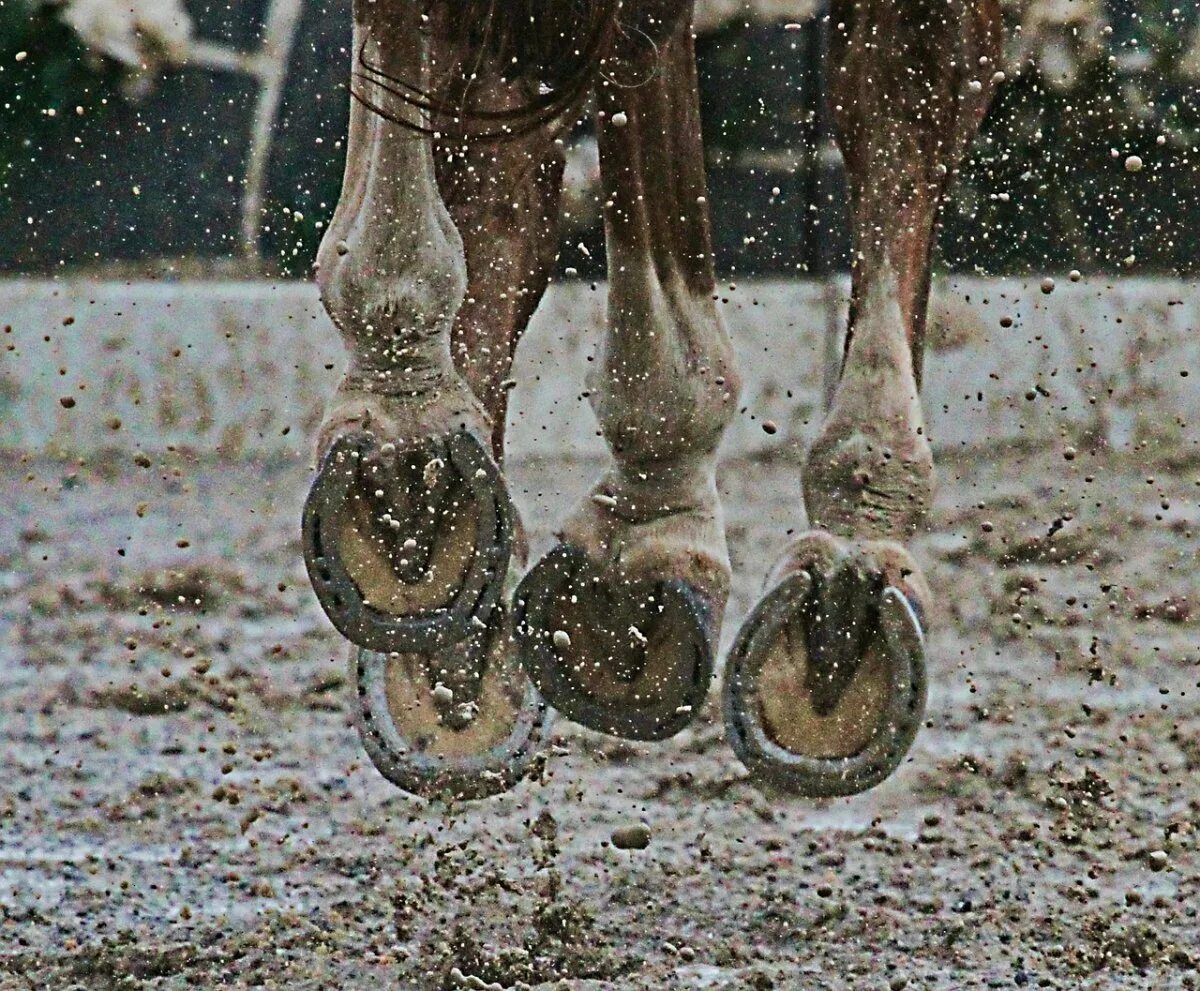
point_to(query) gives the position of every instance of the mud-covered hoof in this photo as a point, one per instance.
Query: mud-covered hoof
(799, 715)
(463, 724)
(633, 659)
(408, 548)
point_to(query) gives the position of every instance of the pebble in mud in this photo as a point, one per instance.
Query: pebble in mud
(562, 639)
(635, 837)
(1133, 163)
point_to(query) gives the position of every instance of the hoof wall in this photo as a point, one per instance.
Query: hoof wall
(780, 716)
(633, 659)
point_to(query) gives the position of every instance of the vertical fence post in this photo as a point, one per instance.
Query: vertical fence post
(279, 34)
(822, 164)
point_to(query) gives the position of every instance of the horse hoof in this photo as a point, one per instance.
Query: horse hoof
(458, 725)
(822, 697)
(407, 547)
(633, 658)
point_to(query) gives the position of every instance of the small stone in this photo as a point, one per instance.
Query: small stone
(442, 695)
(1047, 286)
(1074, 275)
(562, 640)
(1158, 860)
(987, 526)
(620, 118)
(22, 56)
(635, 837)
(769, 427)
(1069, 454)
(67, 402)
(1133, 164)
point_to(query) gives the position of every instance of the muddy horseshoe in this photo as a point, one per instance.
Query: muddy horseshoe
(820, 711)
(408, 547)
(462, 724)
(629, 658)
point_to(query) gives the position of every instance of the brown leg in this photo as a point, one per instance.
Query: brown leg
(504, 197)
(826, 685)
(617, 625)
(408, 527)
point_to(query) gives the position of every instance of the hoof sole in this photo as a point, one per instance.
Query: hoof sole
(419, 746)
(419, 605)
(814, 750)
(630, 659)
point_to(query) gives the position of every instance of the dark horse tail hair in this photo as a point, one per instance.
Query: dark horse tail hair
(557, 46)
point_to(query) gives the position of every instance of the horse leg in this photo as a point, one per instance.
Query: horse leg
(617, 625)
(408, 528)
(825, 689)
(504, 197)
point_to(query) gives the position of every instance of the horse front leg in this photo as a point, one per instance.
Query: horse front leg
(826, 686)
(408, 528)
(618, 624)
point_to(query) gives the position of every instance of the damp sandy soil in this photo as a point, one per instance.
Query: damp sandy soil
(184, 802)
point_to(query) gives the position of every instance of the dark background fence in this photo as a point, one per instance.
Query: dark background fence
(161, 177)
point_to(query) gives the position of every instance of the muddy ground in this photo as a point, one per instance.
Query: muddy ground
(184, 802)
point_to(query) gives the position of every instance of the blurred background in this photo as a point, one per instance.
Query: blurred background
(185, 137)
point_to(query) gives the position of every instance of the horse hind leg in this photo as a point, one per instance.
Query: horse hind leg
(825, 688)
(618, 624)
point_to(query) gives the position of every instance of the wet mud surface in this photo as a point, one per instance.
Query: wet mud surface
(185, 802)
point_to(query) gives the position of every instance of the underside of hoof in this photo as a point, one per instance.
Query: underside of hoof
(407, 547)
(465, 723)
(825, 686)
(631, 658)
